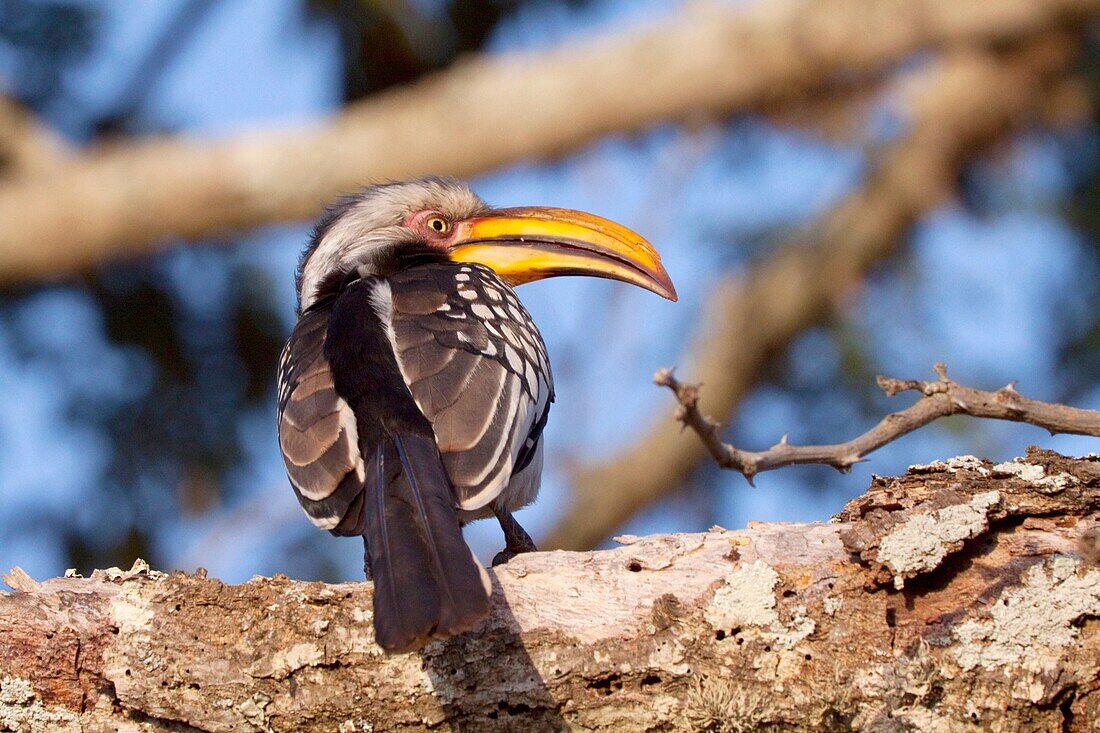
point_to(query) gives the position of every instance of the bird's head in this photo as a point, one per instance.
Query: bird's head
(388, 227)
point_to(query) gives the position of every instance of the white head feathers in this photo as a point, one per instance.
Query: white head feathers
(358, 229)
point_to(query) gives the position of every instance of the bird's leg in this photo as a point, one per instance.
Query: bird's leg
(516, 539)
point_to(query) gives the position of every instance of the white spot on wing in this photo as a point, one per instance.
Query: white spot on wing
(347, 422)
(507, 440)
(530, 378)
(515, 361)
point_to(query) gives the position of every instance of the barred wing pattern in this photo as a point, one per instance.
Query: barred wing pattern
(476, 366)
(317, 428)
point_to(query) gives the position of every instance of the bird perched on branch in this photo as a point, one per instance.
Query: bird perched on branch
(414, 389)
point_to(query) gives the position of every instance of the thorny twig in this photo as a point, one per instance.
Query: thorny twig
(940, 398)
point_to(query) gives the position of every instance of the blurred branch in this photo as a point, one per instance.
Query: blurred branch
(487, 112)
(837, 113)
(27, 148)
(957, 107)
(420, 33)
(1069, 105)
(940, 398)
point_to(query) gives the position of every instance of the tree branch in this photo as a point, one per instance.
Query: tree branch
(786, 626)
(124, 200)
(956, 107)
(940, 398)
(27, 148)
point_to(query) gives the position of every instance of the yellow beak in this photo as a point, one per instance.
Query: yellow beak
(532, 243)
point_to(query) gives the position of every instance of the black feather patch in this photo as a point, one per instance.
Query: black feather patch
(426, 581)
(406, 602)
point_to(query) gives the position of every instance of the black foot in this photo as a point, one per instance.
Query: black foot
(516, 539)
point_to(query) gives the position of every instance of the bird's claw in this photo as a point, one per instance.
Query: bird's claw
(512, 550)
(516, 539)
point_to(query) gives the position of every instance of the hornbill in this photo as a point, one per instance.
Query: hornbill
(414, 388)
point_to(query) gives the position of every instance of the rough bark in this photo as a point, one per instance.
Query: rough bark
(125, 199)
(961, 596)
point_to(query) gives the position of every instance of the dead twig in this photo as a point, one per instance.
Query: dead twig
(957, 107)
(939, 398)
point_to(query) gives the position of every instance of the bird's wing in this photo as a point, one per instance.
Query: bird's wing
(317, 429)
(476, 367)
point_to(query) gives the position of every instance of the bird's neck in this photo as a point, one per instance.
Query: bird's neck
(384, 262)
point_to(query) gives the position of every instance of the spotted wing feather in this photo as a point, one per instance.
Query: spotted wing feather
(476, 366)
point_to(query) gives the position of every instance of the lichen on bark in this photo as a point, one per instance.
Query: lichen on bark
(770, 627)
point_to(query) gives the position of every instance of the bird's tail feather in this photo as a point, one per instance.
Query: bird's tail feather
(427, 582)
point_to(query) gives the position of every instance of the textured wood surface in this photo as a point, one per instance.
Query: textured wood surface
(961, 596)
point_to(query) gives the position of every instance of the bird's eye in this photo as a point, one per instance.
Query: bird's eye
(437, 223)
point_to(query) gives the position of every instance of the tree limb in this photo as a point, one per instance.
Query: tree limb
(987, 622)
(956, 107)
(27, 148)
(940, 398)
(126, 199)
